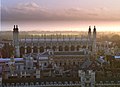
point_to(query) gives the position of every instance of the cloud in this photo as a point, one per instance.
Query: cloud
(34, 12)
(28, 11)
(29, 7)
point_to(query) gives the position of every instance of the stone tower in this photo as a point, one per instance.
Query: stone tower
(16, 41)
(89, 39)
(94, 40)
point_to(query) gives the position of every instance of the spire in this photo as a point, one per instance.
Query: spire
(94, 42)
(89, 33)
(17, 27)
(14, 28)
(94, 30)
(89, 29)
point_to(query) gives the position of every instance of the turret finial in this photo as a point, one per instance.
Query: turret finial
(16, 26)
(89, 29)
(94, 29)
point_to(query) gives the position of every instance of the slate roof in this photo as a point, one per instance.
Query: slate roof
(90, 64)
(86, 64)
(8, 59)
(44, 54)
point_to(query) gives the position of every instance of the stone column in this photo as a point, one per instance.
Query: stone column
(94, 40)
(32, 49)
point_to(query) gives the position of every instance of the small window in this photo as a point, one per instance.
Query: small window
(73, 63)
(60, 64)
(87, 79)
(45, 64)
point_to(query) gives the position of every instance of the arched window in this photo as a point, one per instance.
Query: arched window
(60, 48)
(29, 49)
(74, 63)
(78, 48)
(60, 64)
(72, 48)
(66, 48)
(41, 49)
(45, 64)
(54, 48)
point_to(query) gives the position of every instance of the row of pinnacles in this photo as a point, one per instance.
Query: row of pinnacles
(91, 40)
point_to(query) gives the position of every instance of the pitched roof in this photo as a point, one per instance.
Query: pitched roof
(86, 64)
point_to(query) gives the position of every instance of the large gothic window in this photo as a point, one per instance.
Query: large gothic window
(78, 48)
(41, 49)
(29, 49)
(60, 48)
(54, 48)
(72, 48)
(66, 48)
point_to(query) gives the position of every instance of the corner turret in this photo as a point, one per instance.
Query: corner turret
(16, 41)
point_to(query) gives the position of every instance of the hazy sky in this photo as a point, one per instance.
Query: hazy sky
(40, 11)
(17, 10)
